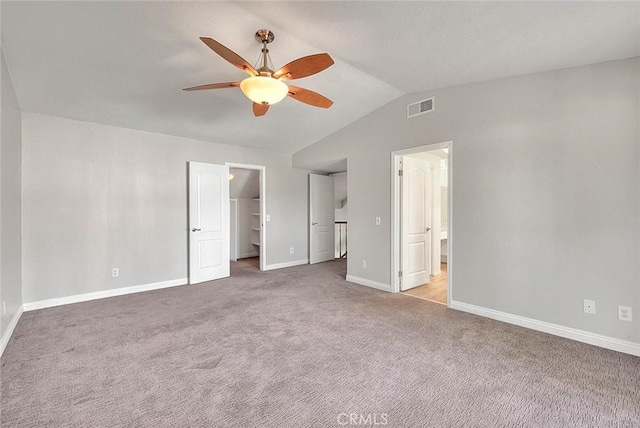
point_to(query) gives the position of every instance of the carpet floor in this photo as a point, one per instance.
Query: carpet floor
(301, 347)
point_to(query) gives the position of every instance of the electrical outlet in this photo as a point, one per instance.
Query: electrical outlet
(364, 264)
(291, 250)
(624, 313)
(377, 221)
(115, 272)
(4, 307)
(589, 306)
(268, 217)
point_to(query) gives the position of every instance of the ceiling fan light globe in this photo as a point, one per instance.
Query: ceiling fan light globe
(264, 89)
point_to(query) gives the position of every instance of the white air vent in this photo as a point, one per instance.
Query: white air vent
(421, 107)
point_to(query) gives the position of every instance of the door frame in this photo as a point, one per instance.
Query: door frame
(263, 206)
(396, 218)
(233, 209)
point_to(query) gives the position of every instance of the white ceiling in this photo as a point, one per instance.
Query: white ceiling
(125, 63)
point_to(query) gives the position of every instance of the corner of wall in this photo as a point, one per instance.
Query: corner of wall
(10, 206)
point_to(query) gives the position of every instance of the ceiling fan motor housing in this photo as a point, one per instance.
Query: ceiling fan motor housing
(265, 36)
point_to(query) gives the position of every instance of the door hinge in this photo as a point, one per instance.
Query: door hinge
(399, 274)
(400, 172)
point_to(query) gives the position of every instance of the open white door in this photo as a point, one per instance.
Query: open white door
(208, 222)
(416, 222)
(321, 219)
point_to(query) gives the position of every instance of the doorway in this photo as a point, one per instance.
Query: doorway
(421, 225)
(247, 193)
(211, 215)
(341, 216)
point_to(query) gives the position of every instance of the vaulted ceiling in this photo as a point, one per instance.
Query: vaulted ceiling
(125, 63)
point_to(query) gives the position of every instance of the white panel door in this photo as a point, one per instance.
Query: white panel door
(416, 222)
(208, 222)
(321, 219)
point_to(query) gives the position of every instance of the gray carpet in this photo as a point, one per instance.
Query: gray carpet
(300, 347)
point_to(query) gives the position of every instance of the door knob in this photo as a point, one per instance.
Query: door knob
(428, 229)
(313, 223)
(195, 230)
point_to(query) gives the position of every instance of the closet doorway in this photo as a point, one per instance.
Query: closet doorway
(247, 202)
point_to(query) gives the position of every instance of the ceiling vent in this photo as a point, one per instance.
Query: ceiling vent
(421, 107)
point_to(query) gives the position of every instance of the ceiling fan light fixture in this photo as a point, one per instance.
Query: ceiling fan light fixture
(265, 86)
(264, 89)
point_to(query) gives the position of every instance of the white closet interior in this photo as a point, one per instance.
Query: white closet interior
(244, 189)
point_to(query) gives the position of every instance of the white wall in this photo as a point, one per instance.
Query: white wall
(97, 197)
(545, 191)
(10, 210)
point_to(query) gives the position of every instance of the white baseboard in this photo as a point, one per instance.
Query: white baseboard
(76, 298)
(286, 264)
(9, 331)
(369, 283)
(555, 329)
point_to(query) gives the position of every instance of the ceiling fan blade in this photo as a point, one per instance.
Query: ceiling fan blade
(213, 86)
(260, 109)
(303, 67)
(229, 55)
(309, 97)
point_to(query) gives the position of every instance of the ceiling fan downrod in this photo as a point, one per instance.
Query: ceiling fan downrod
(265, 37)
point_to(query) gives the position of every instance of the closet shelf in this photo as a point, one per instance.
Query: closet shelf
(255, 213)
(255, 243)
(255, 199)
(257, 229)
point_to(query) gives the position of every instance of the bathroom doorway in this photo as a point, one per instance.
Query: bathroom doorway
(421, 223)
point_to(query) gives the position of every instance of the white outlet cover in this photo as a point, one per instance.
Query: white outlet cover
(589, 306)
(377, 221)
(364, 264)
(268, 217)
(625, 313)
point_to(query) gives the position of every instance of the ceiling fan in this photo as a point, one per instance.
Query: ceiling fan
(264, 86)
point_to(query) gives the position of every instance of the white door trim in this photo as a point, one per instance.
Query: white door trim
(263, 207)
(395, 214)
(233, 209)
